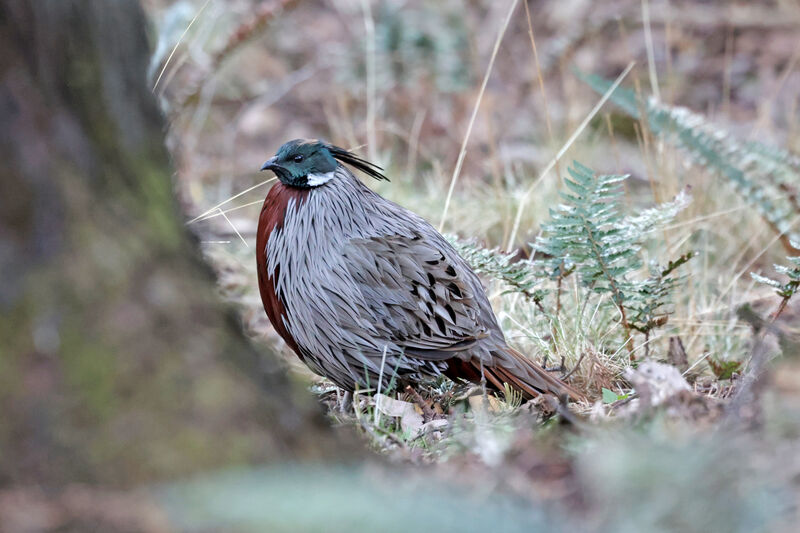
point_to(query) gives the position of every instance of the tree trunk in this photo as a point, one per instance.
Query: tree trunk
(114, 350)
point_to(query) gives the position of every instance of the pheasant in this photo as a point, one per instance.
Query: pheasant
(364, 290)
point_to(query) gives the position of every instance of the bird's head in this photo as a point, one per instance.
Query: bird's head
(306, 163)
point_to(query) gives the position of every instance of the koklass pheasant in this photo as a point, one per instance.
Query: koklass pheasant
(355, 283)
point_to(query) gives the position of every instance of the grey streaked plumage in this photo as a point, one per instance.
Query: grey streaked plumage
(354, 276)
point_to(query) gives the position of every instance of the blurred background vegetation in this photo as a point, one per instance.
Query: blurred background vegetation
(708, 113)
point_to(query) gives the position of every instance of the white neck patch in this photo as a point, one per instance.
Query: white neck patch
(318, 179)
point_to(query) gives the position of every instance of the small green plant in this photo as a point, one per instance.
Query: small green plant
(788, 288)
(724, 369)
(646, 310)
(520, 276)
(588, 236)
(609, 396)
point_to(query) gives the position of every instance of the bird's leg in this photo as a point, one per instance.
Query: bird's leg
(346, 402)
(560, 368)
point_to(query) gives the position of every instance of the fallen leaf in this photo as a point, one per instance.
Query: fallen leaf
(410, 420)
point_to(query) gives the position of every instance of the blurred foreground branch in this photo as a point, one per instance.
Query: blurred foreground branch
(115, 352)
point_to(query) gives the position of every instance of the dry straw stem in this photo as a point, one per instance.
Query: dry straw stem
(246, 31)
(177, 44)
(765, 107)
(648, 39)
(540, 77)
(369, 30)
(463, 151)
(205, 214)
(524, 200)
(220, 212)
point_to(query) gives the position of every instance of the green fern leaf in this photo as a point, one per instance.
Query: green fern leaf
(766, 177)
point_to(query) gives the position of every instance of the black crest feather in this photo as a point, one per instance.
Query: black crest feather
(349, 158)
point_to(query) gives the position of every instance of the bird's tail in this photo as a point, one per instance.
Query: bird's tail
(525, 376)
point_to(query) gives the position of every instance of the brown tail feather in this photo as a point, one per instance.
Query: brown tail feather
(516, 384)
(513, 368)
(537, 375)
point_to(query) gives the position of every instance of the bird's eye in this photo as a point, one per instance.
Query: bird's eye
(298, 158)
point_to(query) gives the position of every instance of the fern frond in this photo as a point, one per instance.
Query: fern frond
(518, 275)
(651, 219)
(650, 306)
(586, 231)
(588, 235)
(765, 177)
(788, 288)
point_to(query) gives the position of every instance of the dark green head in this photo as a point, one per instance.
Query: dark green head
(307, 163)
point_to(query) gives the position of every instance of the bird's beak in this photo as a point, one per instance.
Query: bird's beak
(270, 164)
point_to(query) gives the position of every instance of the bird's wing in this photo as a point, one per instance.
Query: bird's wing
(415, 296)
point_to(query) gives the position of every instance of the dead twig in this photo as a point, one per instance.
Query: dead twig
(427, 412)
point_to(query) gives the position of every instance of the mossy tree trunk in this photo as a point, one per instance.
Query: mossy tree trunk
(115, 354)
